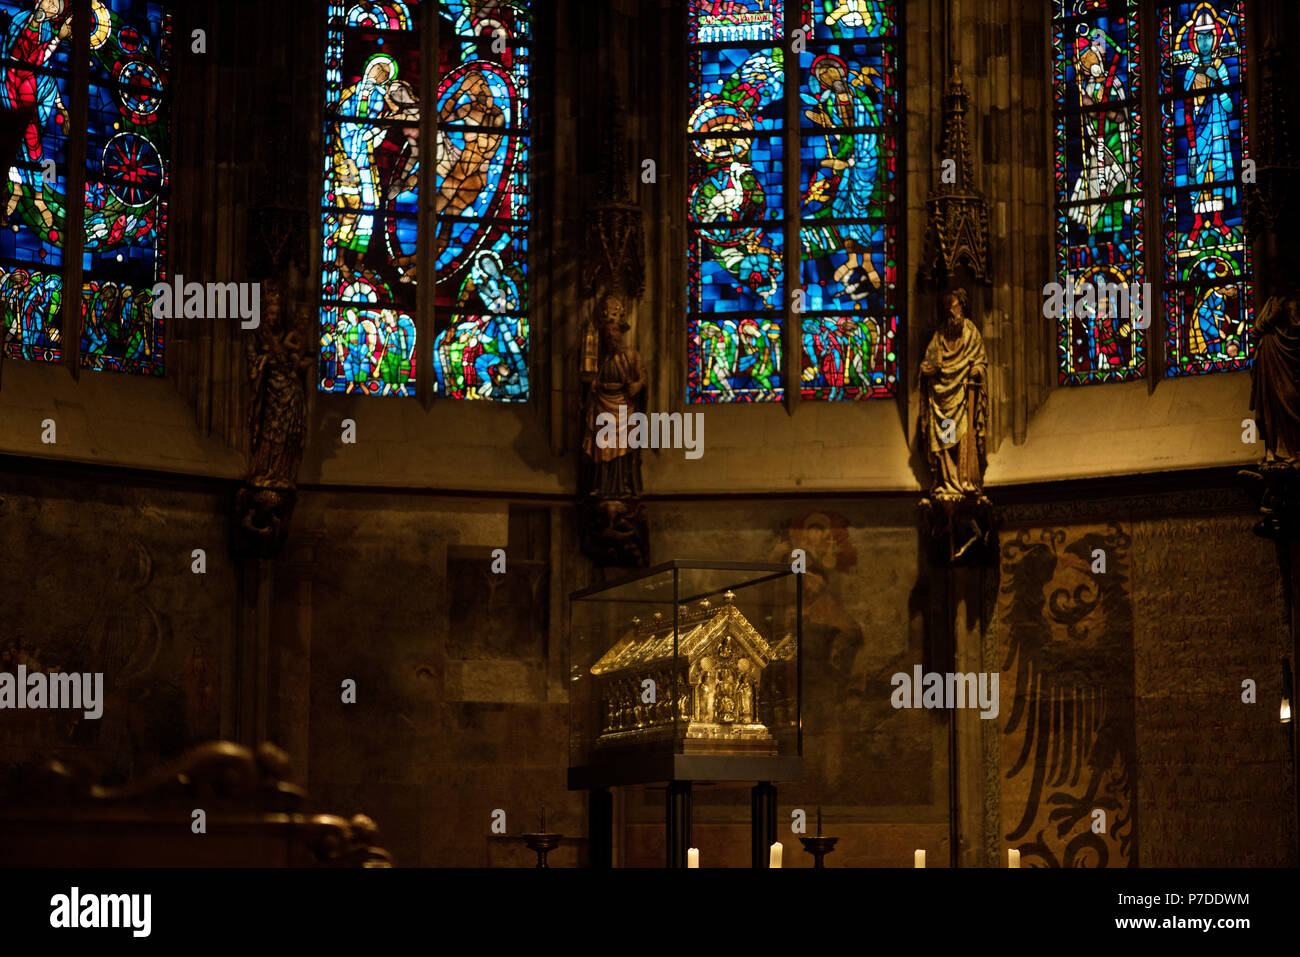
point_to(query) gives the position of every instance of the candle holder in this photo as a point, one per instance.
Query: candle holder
(542, 844)
(818, 846)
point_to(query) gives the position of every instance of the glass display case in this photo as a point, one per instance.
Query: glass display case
(686, 671)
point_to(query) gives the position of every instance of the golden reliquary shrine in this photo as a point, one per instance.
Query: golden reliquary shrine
(725, 680)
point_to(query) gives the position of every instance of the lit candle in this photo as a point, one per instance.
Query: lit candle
(693, 857)
(1013, 857)
(777, 851)
(918, 858)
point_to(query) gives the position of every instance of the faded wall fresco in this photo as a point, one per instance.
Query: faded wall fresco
(97, 577)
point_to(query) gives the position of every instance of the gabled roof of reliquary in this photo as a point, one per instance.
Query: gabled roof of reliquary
(652, 641)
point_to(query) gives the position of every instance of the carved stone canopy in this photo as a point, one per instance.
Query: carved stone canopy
(958, 213)
(614, 256)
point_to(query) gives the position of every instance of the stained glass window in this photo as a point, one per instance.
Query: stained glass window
(478, 300)
(1105, 262)
(127, 148)
(738, 223)
(481, 245)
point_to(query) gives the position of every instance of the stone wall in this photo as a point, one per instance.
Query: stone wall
(98, 576)
(1122, 690)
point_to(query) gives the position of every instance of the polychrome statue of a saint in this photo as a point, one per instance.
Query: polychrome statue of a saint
(618, 382)
(954, 373)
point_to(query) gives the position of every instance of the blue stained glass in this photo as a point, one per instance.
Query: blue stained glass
(128, 149)
(848, 272)
(1204, 142)
(34, 70)
(127, 144)
(736, 89)
(838, 19)
(736, 269)
(848, 357)
(1201, 46)
(508, 20)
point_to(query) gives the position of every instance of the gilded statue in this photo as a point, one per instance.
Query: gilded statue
(954, 373)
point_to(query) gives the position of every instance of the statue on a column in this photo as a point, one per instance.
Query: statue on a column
(614, 530)
(1275, 401)
(616, 383)
(954, 425)
(279, 365)
(954, 372)
(1275, 377)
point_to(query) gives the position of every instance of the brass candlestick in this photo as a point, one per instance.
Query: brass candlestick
(542, 841)
(818, 845)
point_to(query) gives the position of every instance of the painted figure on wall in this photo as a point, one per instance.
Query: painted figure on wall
(954, 371)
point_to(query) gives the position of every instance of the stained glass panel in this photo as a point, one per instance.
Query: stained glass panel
(842, 19)
(736, 201)
(849, 272)
(1097, 74)
(370, 197)
(34, 76)
(734, 360)
(480, 350)
(735, 21)
(128, 149)
(1203, 141)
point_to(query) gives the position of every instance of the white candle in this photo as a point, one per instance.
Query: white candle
(693, 857)
(918, 858)
(777, 851)
(1013, 857)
